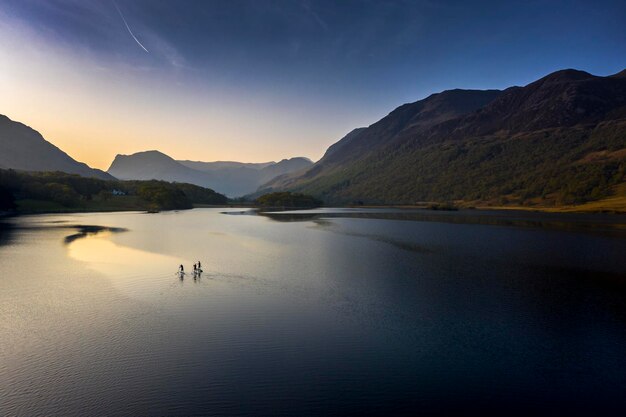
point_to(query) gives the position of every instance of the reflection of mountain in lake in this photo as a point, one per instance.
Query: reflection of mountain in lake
(84, 231)
(5, 232)
(398, 298)
(611, 224)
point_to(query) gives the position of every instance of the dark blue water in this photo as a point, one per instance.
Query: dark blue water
(331, 312)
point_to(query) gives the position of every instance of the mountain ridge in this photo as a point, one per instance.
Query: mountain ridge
(24, 149)
(211, 166)
(231, 178)
(520, 146)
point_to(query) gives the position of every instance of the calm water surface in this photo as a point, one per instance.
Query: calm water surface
(311, 313)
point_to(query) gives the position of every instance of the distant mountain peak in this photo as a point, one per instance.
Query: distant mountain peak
(23, 148)
(151, 153)
(566, 75)
(295, 159)
(228, 177)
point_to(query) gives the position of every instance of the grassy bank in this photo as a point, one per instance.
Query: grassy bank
(615, 205)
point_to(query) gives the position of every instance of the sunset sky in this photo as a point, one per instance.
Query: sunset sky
(265, 80)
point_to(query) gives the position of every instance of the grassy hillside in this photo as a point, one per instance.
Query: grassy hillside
(560, 141)
(563, 166)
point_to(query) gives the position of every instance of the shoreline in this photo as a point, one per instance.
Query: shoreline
(104, 210)
(611, 205)
(532, 209)
(570, 210)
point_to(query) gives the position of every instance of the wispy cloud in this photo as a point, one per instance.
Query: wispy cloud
(128, 27)
(92, 30)
(307, 8)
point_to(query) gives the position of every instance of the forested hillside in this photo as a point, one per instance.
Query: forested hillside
(58, 191)
(560, 140)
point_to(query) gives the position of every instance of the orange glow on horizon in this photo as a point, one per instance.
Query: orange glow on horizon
(93, 110)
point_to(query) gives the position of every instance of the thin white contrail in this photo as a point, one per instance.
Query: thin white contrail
(128, 27)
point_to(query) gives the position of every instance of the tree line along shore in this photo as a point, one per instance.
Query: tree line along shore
(46, 192)
(56, 192)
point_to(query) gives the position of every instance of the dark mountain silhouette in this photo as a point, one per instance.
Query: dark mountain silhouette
(231, 178)
(361, 142)
(24, 149)
(285, 166)
(154, 165)
(558, 140)
(621, 74)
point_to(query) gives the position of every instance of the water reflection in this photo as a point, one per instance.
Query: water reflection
(195, 275)
(84, 231)
(341, 314)
(127, 267)
(99, 252)
(400, 244)
(607, 224)
(6, 229)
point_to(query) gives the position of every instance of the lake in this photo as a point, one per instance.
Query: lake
(319, 312)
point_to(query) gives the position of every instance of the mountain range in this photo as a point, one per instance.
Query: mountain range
(23, 148)
(230, 178)
(212, 166)
(558, 140)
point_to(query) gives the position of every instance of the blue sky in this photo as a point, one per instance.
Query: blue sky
(262, 80)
